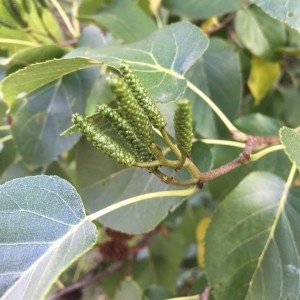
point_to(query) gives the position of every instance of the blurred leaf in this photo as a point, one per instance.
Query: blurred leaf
(129, 289)
(121, 17)
(92, 37)
(263, 75)
(252, 244)
(286, 11)
(7, 155)
(16, 86)
(165, 253)
(201, 156)
(291, 141)
(201, 9)
(226, 91)
(200, 233)
(157, 292)
(161, 59)
(44, 230)
(261, 34)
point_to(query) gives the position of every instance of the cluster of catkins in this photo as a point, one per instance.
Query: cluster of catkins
(134, 121)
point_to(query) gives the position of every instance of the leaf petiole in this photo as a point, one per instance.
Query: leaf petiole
(115, 206)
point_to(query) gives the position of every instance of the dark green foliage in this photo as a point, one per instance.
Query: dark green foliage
(126, 132)
(131, 111)
(103, 142)
(183, 126)
(142, 96)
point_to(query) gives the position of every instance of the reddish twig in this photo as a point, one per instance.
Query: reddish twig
(85, 282)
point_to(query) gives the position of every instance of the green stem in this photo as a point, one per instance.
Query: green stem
(115, 206)
(4, 127)
(161, 158)
(181, 157)
(264, 152)
(174, 181)
(18, 42)
(224, 143)
(219, 113)
(6, 138)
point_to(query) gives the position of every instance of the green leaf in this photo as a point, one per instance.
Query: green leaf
(161, 59)
(122, 25)
(129, 289)
(34, 55)
(226, 91)
(47, 112)
(252, 244)
(16, 86)
(201, 156)
(195, 9)
(136, 218)
(43, 230)
(161, 265)
(291, 141)
(286, 11)
(261, 34)
(103, 182)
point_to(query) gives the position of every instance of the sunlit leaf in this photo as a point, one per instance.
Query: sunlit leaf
(43, 230)
(252, 244)
(262, 77)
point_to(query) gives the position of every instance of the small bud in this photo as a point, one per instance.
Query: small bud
(103, 142)
(131, 111)
(183, 126)
(142, 96)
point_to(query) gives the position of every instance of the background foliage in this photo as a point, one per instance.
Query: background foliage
(55, 56)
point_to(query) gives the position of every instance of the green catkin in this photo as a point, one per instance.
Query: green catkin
(103, 142)
(183, 126)
(26, 5)
(126, 132)
(43, 3)
(131, 111)
(142, 96)
(13, 9)
(7, 24)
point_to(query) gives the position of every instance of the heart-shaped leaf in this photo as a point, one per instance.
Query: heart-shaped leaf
(43, 230)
